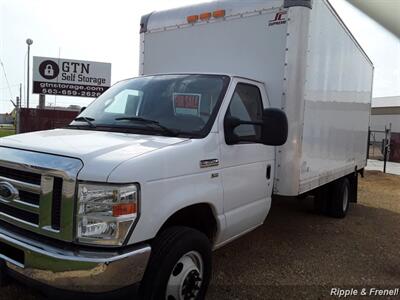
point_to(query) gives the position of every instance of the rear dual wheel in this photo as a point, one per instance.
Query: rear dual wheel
(339, 201)
(333, 199)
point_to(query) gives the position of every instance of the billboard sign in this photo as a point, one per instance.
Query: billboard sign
(68, 77)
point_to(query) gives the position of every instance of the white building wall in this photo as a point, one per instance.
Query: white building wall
(378, 122)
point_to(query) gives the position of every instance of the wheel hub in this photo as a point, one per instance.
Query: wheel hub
(191, 285)
(345, 198)
(186, 278)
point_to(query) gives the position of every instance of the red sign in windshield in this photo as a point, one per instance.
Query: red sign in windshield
(187, 104)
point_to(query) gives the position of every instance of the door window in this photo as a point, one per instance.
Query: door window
(246, 105)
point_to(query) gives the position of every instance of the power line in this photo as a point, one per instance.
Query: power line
(5, 76)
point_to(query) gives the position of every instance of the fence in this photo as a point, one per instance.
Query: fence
(32, 119)
(379, 145)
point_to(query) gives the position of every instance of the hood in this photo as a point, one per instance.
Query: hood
(99, 151)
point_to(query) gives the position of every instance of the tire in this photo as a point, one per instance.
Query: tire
(3, 276)
(179, 267)
(339, 198)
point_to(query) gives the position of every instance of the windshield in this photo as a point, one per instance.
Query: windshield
(177, 105)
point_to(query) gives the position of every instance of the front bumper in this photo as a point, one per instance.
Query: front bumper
(87, 271)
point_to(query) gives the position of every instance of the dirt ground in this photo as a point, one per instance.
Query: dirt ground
(298, 254)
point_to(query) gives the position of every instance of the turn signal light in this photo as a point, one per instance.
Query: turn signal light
(124, 209)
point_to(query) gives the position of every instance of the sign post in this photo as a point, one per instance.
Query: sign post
(67, 77)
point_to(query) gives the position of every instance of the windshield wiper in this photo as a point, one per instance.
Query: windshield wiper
(87, 120)
(152, 122)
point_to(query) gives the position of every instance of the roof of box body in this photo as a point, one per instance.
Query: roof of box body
(178, 16)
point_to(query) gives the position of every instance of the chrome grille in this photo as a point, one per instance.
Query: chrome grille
(29, 198)
(43, 189)
(21, 176)
(24, 206)
(19, 214)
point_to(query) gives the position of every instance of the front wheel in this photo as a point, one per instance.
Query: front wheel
(179, 266)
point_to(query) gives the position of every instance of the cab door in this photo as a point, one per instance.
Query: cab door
(247, 167)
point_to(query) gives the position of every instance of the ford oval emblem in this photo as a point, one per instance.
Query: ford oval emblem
(7, 191)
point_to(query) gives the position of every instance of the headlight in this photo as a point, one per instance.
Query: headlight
(106, 213)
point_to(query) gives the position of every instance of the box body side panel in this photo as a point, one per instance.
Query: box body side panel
(337, 99)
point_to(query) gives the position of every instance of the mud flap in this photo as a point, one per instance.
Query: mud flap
(353, 178)
(321, 199)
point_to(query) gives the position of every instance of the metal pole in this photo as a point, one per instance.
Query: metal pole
(18, 109)
(369, 141)
(29, 42)
(389, 139)
(27, 73)
(385, 150)
(42, 101)
(18, 127)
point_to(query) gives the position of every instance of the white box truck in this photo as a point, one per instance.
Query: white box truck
(237, 101)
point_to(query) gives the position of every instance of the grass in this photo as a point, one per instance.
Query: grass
(6, 132)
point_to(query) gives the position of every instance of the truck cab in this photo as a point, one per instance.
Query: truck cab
(153, 156)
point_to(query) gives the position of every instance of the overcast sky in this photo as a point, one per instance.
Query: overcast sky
(107, 31)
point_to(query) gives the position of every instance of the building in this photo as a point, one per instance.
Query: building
(62, 108)
(6, 118)
(385, 113)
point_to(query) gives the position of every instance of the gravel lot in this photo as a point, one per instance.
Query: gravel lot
(299, 254)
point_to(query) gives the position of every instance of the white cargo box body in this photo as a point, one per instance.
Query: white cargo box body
(311, 65)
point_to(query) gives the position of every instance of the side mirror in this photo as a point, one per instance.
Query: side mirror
(275, 127)
(274, 130)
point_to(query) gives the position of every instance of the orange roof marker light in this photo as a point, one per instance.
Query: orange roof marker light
(219, 13)
(205, 16)
(192, 19)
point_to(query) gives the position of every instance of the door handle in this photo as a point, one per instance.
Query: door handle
(268, 171)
